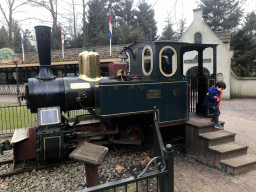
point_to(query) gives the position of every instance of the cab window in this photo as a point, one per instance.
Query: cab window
(147, 60)
(168, 61)
(128, 62)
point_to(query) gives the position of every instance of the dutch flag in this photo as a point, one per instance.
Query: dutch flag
(110, 27)
(22, 44)
(21, 41)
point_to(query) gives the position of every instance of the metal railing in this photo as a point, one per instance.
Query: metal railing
(13, 117)
(11, 89)
(140, 182)
(193, 93)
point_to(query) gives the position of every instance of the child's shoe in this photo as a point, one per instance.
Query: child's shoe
(212, 121)
(218, 126)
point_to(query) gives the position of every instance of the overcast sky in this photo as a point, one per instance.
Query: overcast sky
(164, 9)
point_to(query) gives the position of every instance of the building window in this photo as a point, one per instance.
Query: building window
(198, 38)
(168, 61)
(147, 60)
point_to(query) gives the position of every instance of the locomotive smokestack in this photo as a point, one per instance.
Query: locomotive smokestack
(43, 37)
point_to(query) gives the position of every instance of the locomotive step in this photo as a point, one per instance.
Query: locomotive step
(229, 150)
(218, 137)
(239, 165)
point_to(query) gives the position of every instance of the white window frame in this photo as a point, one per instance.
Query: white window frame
(147, 57)
(175, 63)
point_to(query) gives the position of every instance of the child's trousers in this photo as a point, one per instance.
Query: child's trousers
(216, 115)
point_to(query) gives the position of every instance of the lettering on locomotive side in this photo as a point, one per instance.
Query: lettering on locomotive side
(154, 94)
(79, 85)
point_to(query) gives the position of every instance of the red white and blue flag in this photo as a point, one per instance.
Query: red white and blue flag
(62, 40)
(110, 27)
(22, 44)
(62, 35)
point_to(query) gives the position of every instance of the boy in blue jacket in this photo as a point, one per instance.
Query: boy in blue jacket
(212, 101)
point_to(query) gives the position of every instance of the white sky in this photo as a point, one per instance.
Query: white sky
(164, 9)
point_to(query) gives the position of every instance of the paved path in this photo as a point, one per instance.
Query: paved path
(239, 116)
(9, 98)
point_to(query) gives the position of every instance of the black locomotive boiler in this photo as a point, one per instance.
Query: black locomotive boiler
(119, 107)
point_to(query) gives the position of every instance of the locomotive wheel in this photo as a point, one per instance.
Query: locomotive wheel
(134, 134)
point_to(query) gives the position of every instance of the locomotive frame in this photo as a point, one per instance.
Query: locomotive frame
(120, 107)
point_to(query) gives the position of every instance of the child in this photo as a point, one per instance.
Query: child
(212, 101)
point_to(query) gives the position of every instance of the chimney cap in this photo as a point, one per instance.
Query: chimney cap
(198, 9)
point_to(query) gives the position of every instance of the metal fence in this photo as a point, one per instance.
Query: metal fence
(11, 89)
(163, 176)
(13, 117)
(193, 93)
(162, 179)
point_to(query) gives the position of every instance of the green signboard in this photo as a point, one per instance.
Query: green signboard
(6, 55)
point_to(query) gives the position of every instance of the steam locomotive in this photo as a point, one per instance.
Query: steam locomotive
(119, 107)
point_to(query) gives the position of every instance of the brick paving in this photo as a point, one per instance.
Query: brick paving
(239, 116)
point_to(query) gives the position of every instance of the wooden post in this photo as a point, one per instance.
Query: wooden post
(92, 155)
(92, 175)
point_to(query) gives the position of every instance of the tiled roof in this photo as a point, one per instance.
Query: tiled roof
(72, 54)
(225, 36)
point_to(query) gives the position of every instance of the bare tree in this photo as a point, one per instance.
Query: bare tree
(84, 24)
(52, 7)
(8, 16)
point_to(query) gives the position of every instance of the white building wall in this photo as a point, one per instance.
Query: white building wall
(243, 86)
(208, 37)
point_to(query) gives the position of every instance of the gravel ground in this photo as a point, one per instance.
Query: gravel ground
(71, 177)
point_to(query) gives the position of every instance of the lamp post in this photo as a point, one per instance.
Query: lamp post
(15, 59)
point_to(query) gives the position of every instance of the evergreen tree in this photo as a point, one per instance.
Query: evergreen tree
(3, 38)
(125, 29)
(52, 7)
(127, 35)
(221, 14)
(244, 45)
(145, 19)
(168, 33)
(123, 13)
(16, 39)
(181, 28)
(98, 23)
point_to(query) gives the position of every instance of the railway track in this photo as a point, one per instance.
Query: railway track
(39, 166)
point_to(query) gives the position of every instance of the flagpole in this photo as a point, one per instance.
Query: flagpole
(110, 48)
(110, 34)
(23, 55)
(22, 45)
(62, 52)
(62, 41)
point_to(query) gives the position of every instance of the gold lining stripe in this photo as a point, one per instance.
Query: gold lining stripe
(144, 112)
(144, 83)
